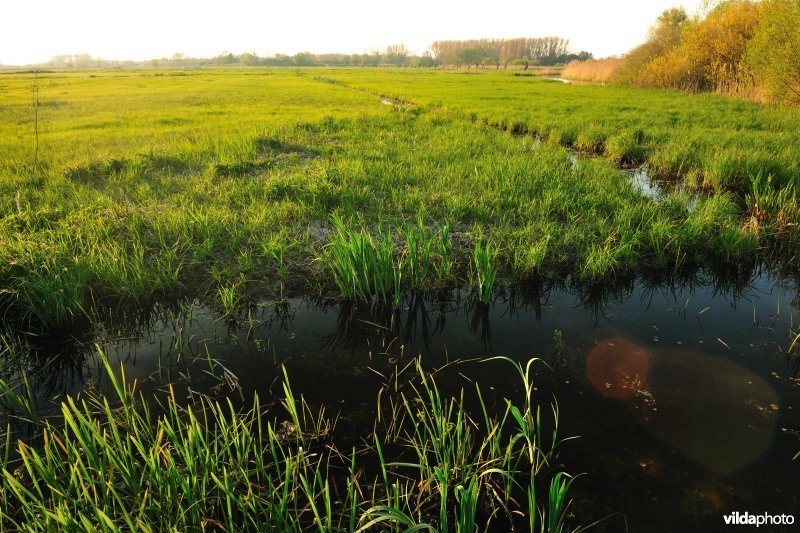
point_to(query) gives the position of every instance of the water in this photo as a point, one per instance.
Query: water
(683, 397)
(654, 189)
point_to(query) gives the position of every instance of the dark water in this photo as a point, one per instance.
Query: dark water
(683, 397)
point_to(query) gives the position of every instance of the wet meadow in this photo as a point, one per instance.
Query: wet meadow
(391, 299)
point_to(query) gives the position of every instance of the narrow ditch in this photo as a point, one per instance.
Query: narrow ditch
(639, 177)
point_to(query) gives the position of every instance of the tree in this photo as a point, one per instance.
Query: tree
(662, 37)
(774, 52)
(397, 54)
(225, 58)
(711, 55)
(468, 56)
(249, 59)
(303, 59)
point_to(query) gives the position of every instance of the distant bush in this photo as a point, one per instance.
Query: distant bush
(598, 70)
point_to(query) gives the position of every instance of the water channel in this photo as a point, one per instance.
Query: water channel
(684, 396)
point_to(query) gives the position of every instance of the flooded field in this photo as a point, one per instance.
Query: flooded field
(683, 398)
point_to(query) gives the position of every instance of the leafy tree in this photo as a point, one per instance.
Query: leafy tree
(249, 59)
(774, 52)
(303, 59)
(469, 55)
(397, 54)
(663, 36)
(711, 54)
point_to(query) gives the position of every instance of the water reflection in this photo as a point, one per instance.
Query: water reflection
(719, 413)
(675, 383)
(425, 322)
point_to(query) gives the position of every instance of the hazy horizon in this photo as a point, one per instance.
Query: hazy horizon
(149, 29)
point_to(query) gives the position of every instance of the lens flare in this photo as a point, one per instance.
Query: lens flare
(617, 367)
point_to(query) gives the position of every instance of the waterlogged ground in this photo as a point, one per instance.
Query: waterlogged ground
(231, 185)
(683, 397)
(223, 183)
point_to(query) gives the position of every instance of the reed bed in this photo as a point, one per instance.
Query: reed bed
(594, 70)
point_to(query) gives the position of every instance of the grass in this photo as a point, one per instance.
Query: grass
(122, 462)
(484, 270)
(156, 186)
(363, 266)
(720, 139)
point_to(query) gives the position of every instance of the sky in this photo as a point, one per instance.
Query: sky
(34, 31)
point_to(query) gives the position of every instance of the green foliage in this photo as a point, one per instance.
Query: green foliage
(484, 270)
(121, 463)
(191, 191)
(773, 53)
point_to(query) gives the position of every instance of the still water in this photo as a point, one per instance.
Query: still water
(683, 397)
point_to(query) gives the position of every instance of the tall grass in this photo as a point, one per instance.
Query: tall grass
(381, 266)
(363, 266)
(119, 462)
(484, 270)
(771, 209)
(595, 70)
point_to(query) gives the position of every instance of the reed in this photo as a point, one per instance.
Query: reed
(593, 70)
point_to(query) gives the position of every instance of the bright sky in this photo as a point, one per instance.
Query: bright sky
(34, 31)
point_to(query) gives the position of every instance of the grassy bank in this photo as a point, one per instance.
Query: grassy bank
(428, 463)
(706, 140)
(240, 184)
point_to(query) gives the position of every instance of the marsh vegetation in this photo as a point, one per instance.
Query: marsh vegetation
(367, 190)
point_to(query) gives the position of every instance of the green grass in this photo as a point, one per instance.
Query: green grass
(152, 186)
(484, 270)
(721, 138)
(125, 463)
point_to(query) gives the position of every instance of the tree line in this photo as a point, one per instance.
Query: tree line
(523, 50)
(528, 50)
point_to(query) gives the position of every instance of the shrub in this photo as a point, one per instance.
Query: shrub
(774, 53)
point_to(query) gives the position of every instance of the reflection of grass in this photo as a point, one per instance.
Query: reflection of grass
(113, 461)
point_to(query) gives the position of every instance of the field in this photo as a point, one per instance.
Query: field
(240, 184)
(228, 188)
